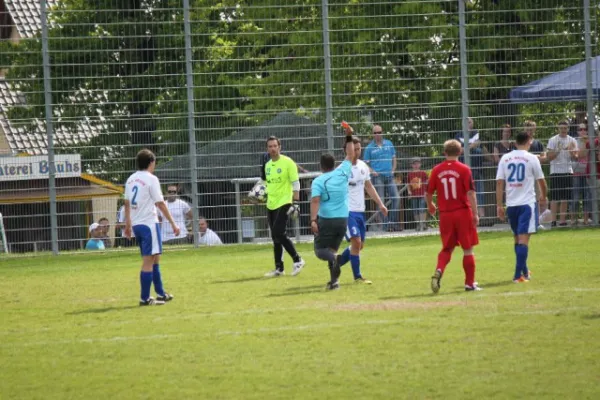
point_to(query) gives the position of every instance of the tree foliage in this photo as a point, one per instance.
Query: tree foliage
(121, 65)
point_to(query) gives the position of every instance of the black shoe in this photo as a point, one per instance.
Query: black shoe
(553, 224)
(151, 302)
(333, 285)
(165, 297)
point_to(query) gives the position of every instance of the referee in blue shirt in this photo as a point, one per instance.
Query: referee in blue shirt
(329, 208)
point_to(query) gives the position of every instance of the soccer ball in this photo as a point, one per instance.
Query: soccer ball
(293, 211)
(546, 217)
(258, 192)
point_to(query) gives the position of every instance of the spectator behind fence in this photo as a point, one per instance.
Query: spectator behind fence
(536, 147)
(104, 229)
(380, 156)
(562, 148)
(580, 118)
(181, 212)
(581, 188)
(95, 242)
(504, 145)
(417, 180)
(476, 153)
(207, 236)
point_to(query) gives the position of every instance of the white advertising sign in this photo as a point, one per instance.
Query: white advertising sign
(37, 167)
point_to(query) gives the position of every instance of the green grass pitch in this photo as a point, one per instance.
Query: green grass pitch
(71, 327)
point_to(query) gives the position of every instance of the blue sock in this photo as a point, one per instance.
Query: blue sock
(521, 251)
(156, 278)
(355, 262)
(146, 284)
(345, 256)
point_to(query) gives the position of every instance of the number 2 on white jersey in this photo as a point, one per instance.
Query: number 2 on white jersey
(452, 191)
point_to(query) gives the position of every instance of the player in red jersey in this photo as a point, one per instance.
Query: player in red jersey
(457, 204)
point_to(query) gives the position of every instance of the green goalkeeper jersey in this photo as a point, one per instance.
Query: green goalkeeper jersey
(280, 174)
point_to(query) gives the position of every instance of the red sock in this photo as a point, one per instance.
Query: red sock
(469, 267)
(443, 260)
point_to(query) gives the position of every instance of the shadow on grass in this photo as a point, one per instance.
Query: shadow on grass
(101, 310)
(304, 288)
(241, 280)
(591, 316)
(496, 284)
(294, 291)
(442, 293)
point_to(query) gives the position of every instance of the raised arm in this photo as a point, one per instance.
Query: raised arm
(349, 145)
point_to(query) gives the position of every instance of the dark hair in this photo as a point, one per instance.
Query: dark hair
(522, 138)
(563, 122)
(143, 159)
(327, 162)
(103, 219)
(273, 138)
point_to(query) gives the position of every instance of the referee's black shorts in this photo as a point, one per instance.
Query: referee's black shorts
(331, 233)
(561, 187)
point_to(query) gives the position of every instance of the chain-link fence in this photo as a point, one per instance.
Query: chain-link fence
(85, 85)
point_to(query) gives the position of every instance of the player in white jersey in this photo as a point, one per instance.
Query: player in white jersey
(142, 196)
(360, 181)
(518, 172)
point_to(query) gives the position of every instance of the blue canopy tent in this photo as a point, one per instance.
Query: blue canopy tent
(566, 85)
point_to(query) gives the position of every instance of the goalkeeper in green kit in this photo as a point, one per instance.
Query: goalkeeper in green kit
(283, 187)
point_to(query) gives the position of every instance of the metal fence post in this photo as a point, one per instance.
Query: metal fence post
(191, 120)
(590, 109)
(328, 89)
(464, 84)
(49, 129)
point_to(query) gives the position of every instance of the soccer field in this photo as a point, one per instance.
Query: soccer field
(71, 326)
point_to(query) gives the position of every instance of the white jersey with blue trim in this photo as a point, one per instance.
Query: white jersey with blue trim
(356, 186)
(520, 170)
(143, 192)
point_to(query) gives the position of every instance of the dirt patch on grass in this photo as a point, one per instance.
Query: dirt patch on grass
(398, 305)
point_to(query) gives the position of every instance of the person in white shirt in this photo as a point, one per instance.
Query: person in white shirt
(360, 180)
(181, 212)
(142, 197)
(207, 236)
(518, 173)
(562, 149)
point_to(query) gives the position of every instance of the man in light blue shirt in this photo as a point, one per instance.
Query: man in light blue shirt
(380, 156)
(329, 208)
(95, 242)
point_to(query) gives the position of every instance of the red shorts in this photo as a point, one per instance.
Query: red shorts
(456, 228)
